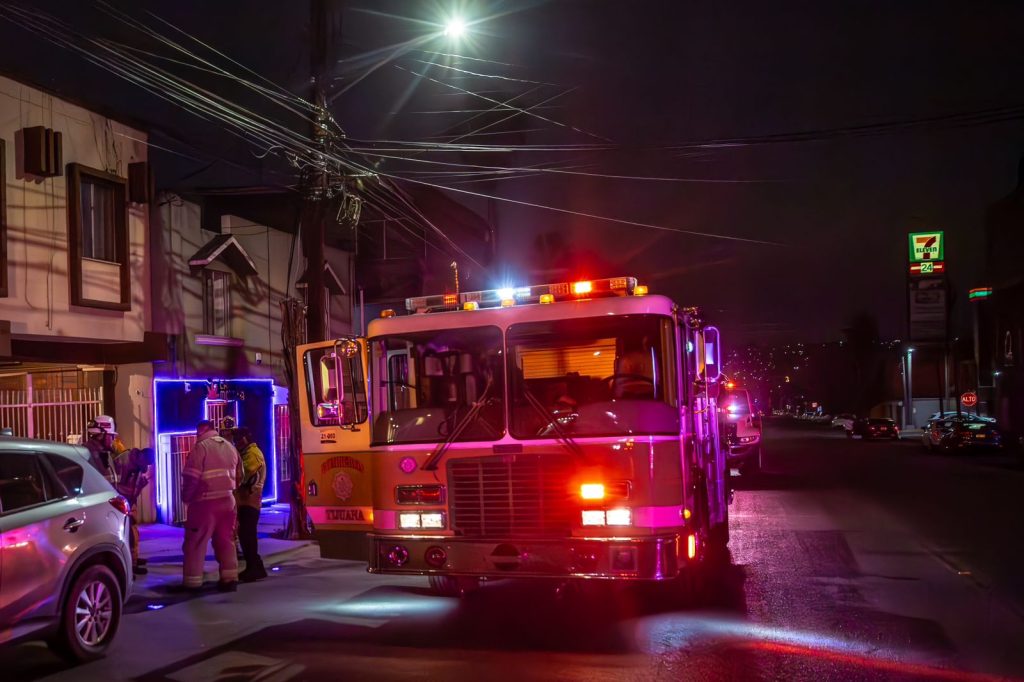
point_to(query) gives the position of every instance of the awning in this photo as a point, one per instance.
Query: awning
(226, 249)
(331, 281)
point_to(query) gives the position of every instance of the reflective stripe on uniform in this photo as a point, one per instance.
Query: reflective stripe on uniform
(213, 473)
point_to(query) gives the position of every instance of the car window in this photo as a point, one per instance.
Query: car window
(23, 483)
(68, 472)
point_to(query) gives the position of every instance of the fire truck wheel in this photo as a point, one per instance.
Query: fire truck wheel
(719, 536)
(690, 584)
(452, 586)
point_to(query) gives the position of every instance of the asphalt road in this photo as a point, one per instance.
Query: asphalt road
(848, 560)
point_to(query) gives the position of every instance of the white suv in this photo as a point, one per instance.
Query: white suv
(65, 567)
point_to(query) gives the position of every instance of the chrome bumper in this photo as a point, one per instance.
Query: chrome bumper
(636, 558)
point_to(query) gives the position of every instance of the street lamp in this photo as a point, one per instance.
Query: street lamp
(908, 391)
(455, 28)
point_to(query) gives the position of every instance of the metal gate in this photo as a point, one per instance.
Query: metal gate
(51, 413)
(283, 450)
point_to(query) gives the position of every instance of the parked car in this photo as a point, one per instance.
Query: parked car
(843, 421)
(961, 414)
(874, 427)
(65, 567)
(965, 432)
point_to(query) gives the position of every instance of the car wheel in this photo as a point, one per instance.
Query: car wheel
(89, 616)
(751, 466)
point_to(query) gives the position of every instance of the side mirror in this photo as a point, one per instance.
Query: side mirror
(349, 380)
(709, 355)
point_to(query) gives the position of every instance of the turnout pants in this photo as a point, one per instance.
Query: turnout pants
(210, 520)
(133, 537)
(248, 521)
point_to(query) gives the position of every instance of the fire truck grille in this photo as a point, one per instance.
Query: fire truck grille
(513, 496)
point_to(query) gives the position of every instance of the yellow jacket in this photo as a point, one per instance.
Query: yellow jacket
(254, 467)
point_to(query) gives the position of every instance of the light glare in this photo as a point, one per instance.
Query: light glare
(455, 27)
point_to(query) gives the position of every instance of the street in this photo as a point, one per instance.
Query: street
(848, 560)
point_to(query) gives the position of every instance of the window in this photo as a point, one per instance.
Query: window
(216, 303)
(68, 472)
(435, 386)
(336, 387)
(97, 200)
(600, 376)
(23, 483)
(98, 239)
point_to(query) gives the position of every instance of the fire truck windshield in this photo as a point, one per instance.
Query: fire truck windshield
(429, 386)
(601, 376)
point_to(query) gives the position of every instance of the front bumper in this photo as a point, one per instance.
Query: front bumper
(635, 558)
(739, 452)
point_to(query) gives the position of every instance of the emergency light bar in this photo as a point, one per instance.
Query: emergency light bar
(542, 293)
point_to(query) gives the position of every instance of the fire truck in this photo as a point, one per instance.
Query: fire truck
(560, 431)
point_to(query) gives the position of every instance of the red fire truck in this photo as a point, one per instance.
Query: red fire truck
(556, 431)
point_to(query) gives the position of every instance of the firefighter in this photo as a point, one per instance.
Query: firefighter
(103, 444)
(132, 469)
(249, 497)
(208, 480)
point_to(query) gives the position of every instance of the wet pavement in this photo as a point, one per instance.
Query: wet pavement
(848, 560)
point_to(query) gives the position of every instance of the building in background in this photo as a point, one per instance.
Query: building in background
(219, 281)
(75, 334)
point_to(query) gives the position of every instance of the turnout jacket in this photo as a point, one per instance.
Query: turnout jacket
(212, 470)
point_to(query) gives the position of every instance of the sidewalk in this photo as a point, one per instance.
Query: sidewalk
(161, 544)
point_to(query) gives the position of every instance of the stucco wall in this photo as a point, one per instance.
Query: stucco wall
(256, 302)
(38, 301)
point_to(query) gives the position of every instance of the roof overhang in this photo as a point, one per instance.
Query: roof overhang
(331, 281)
(224, 248)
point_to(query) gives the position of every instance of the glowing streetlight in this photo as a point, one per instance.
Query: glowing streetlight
(455, 28)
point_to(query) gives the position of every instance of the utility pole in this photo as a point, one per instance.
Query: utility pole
(321, 183)
(317, 183)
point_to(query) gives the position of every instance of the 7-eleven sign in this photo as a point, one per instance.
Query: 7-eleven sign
(926, 246)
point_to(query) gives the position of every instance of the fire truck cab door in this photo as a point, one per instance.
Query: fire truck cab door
(713, 461)
(336, 462)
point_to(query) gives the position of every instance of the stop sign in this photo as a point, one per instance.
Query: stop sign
(969, 399)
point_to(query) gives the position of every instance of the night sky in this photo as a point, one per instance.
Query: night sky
(651, 77)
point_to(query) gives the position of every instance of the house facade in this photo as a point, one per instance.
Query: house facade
(75, 322)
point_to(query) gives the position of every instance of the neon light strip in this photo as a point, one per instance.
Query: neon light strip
(165, 472)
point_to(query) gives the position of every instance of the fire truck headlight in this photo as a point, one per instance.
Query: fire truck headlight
(592, 517)
(619, 517)
(592, 491)
(409, 520)
(432, 520)
(417, 520)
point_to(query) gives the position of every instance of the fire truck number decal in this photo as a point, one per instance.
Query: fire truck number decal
(328, 437)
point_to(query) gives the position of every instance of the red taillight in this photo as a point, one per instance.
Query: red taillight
(419, 494)
(120, 504)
